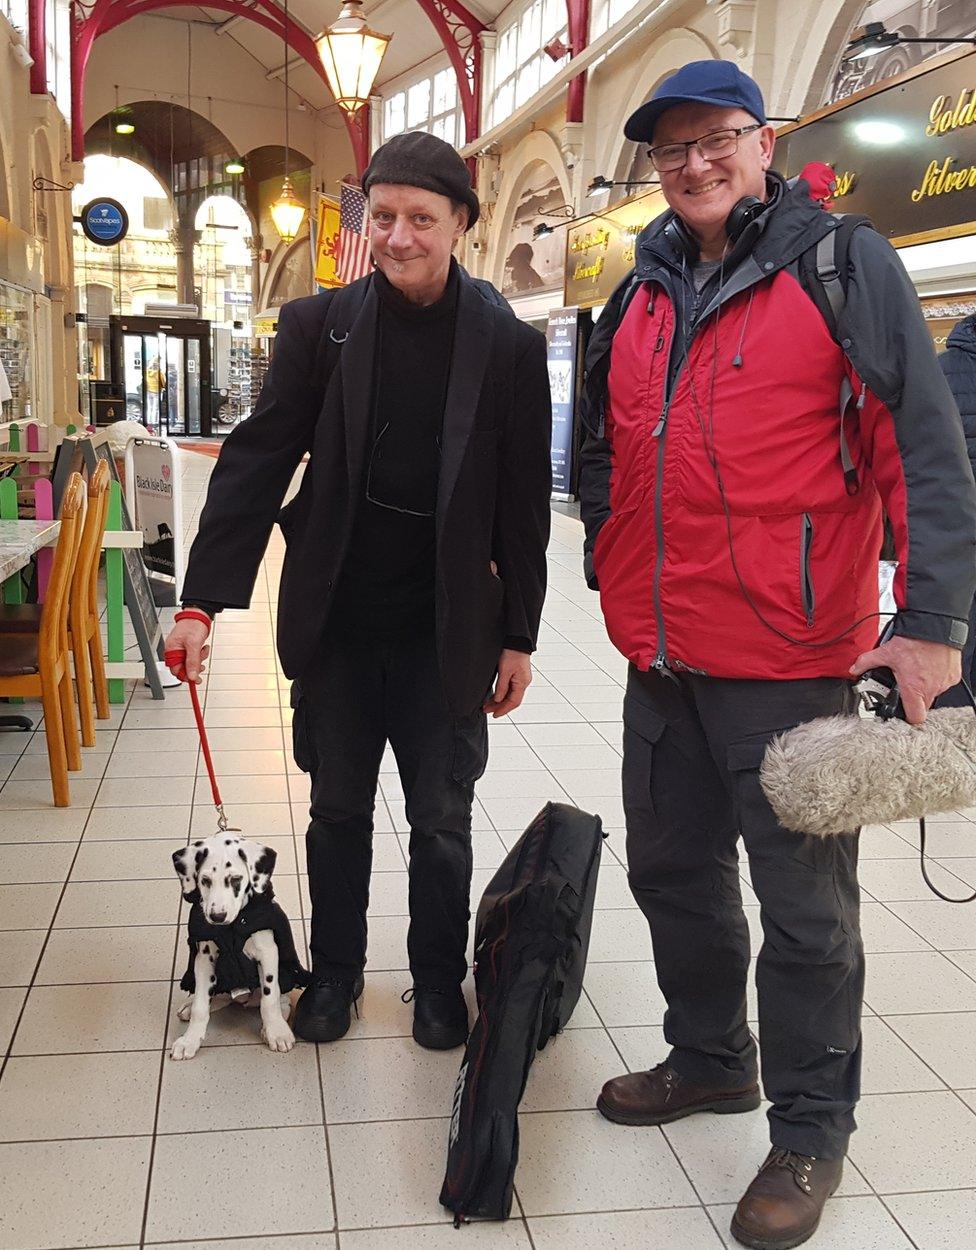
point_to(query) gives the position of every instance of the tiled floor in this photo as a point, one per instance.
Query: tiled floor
(105, 1142)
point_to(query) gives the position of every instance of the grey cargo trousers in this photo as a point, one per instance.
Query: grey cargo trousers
(692, 750)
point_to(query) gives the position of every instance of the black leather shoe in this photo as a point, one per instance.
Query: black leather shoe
(324, 1011)
(440, 1017)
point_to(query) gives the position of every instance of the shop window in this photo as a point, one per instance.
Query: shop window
(418, 103)
(16, 334)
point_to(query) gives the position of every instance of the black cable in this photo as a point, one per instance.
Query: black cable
(946, 898)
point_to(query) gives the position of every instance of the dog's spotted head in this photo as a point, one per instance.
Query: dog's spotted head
(222, 874)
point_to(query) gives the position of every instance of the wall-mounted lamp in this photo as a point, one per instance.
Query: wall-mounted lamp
(601, 185)
(235, 166)
(40, 183)
(873, 38)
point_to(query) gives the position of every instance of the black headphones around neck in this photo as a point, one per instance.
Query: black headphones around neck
(743, 214)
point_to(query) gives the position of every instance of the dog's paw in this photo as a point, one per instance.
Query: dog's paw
(185, 1047)
(278, 1037)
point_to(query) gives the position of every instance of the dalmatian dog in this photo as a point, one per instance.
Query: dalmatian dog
(241, 944)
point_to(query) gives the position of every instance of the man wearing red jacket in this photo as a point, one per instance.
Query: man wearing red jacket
(740, 451)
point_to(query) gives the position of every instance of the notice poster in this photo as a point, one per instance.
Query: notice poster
(561, 339)
(152, 485)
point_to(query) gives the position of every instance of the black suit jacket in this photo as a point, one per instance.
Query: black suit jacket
(493, 491)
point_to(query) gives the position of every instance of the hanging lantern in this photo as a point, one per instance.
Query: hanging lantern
(287, 212)
(351, 54)
(234, 166)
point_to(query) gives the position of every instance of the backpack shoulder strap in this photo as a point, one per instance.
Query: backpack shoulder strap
(825, 268)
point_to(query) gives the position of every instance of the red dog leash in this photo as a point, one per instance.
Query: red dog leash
(175, 661)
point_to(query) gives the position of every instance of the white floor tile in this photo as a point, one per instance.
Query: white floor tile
(917, 982)
(19, 957)
(89, 904)
(913, 1142)
(111, 1179)
(240, 1087)
(578, 1161)
(11, 1001)
(26, 864)
(625, 993)
(386, 1079)
(511, 1235)
(140, 859)
(389, 1173)
(55, 1096)
(946, 1042)
(571, 1071)
(91, 956)
(113, 824)
(274, 1162)
(27, 906)
(78, 1018)
(936, 1221)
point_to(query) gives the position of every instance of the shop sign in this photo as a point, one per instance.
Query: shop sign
(600, 250)
(152, 481)
(562, 334)
(905, 155)
(104, 221)
(237, 297)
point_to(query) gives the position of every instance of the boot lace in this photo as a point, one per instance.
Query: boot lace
(800, 1165)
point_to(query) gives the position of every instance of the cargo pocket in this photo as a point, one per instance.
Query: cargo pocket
(470, 747)
(643, 728)
(765, 838)
(301, 741)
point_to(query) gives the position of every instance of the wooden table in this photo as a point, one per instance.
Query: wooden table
(19, 541)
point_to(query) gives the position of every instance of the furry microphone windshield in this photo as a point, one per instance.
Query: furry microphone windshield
(837, 773)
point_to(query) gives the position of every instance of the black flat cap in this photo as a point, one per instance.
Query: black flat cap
(422, 160)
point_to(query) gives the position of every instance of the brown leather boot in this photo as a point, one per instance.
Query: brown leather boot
(662, 1095)
(783, 1205)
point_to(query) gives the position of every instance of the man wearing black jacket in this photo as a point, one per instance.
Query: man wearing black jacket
(415, 568)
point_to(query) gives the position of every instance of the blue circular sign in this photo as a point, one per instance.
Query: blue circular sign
(105, 221)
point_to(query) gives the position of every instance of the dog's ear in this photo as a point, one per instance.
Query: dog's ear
(260, 861)
(185, 862)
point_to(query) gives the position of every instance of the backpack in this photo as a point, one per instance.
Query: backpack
(531, 939)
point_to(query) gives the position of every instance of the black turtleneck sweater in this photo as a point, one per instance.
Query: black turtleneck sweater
(387, 583)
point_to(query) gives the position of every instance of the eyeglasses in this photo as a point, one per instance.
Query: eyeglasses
(711, 147)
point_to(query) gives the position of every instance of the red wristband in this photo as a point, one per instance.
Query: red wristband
(194, 614)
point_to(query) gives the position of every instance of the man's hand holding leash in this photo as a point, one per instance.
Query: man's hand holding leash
(189, 635)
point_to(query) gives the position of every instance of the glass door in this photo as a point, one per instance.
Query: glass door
(192, 386)
(175, 384)
(138, 384)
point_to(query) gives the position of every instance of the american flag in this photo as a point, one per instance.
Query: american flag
(353, 240)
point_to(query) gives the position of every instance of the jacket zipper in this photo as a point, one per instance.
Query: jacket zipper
(807, 594)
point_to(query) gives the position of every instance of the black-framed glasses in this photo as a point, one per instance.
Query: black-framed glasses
(711, 147)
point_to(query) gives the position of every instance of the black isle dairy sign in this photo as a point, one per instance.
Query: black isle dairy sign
(905, 156)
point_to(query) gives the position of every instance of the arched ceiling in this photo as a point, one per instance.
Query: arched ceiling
(414, 37)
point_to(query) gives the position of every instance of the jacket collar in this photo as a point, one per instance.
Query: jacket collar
(792, 223)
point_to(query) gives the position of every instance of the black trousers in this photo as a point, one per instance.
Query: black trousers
(692, 750)
(358, 696)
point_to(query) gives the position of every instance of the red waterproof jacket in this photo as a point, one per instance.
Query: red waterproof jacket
(721, 531)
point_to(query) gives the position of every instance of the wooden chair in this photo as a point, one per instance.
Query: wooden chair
(84, 633)
(39, 663)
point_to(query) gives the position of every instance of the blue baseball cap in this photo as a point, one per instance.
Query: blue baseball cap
(720, 83)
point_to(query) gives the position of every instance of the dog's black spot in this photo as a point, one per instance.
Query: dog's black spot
(212, 990)
(236, 886)
(200, 857)
(205, 949)
(227, 865)
(242, 855)
(266, 990)
(213, 976)
(269, 978)
(198, 844)
(266, 860)
(228, 841)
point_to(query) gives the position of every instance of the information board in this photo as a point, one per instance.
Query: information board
(562, 336)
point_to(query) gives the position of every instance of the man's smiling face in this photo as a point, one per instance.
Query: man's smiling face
(703, 193)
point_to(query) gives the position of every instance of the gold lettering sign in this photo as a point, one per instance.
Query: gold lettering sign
(943, 117)
(941, 179)
(845, 184)
(599, 238)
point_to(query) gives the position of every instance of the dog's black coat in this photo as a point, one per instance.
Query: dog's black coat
(235, 970)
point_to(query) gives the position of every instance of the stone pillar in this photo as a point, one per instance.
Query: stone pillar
(184, 238)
